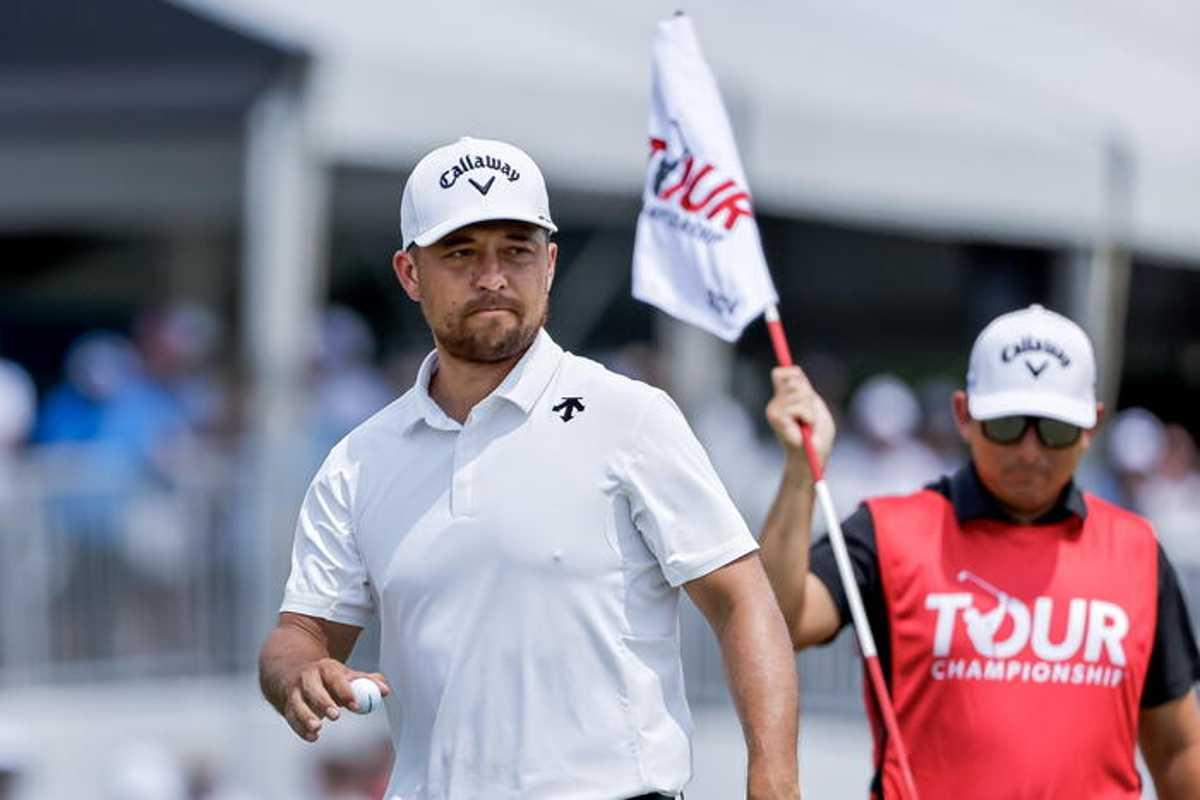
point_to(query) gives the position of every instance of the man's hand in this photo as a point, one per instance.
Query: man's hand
(302, 671)
(807, 606)
(794, 401)
(317, 690)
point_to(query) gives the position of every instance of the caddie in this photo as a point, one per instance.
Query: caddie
(1031, 634)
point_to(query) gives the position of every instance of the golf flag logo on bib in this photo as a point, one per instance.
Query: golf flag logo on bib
(698, 255)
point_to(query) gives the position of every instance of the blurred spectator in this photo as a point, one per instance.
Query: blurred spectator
(20, 554)
(179, 345)
(1170, 496)
(349, 387)
(358, 773)
(938, 428)
(884, 457)
(109, 399)
(97, 367)
(1133, 448)
(14, 761)
(204, 783)
(132, 431)
(18, 405)
(146, 771)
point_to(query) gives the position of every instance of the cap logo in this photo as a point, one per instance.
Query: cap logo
(470, 162)
(485, 187)
(1037, 371)
(1029, 344)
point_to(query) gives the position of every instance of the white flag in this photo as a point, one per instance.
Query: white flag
(698, 255)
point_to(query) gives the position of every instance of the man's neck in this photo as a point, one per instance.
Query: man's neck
(458, 385)
(995, 503)
(1026, 517)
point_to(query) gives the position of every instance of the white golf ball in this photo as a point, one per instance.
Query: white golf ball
(366, 694)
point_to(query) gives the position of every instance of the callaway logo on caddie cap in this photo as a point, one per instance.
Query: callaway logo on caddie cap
(1031, 348)
(470, 181)
(1033, 362)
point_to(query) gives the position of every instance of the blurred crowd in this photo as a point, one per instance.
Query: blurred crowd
(143, 398)
(144, 402)
(144, 769)
(122, 472)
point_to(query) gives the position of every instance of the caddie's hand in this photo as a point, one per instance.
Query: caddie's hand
(316, 692)
(795, 400)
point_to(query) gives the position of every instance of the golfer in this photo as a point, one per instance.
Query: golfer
(522, 522)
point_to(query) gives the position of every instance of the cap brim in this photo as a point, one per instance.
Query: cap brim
(1007, 404)
(426, 238)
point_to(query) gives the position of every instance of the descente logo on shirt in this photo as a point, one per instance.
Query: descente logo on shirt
(1014, 644)
(469, 162)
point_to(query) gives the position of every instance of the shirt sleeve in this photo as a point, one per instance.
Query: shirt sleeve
(1174, 662)
(859, 532)
(677, 502)
(328, 578)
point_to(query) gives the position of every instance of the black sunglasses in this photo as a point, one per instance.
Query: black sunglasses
(1050, 432)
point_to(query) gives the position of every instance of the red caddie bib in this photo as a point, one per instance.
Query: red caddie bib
(1018, 652)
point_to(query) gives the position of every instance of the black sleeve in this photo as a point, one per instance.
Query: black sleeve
(859, 532)
(1174, 662)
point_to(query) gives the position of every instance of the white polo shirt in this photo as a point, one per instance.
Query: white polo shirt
(525, 566)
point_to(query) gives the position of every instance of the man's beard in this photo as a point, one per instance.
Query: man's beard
(486, 344)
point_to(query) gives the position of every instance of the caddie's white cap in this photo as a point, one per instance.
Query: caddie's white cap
(472, 180)
(1034, 362)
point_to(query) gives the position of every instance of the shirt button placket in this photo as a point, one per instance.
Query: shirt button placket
(464, 467)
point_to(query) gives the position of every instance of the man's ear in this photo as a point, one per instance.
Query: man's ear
(404, 264)
(552, 250)
(1088, 433)
(962, 416)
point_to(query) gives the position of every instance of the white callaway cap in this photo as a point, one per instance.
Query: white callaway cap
(1034, 362)
(472, 180)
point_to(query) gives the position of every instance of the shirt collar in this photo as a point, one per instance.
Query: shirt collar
(972, 500)
(522, 387)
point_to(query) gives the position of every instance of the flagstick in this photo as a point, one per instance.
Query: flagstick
(866, 641)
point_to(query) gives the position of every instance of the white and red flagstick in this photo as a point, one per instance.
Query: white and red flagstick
(858, 615)
(698, 257)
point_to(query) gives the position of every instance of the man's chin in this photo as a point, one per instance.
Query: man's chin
(490, 347)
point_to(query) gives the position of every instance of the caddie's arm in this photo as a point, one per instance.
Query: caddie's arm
(736, 600)
(807, 606)
(302, 671)
(1169, 735)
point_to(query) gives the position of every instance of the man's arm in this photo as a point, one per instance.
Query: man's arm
(1170, 738)
(808, 607)
(302, 673)
(737, 602)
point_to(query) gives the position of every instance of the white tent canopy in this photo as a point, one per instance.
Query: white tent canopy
(966, 118)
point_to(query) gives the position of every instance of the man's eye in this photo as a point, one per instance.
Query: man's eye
(458, 254)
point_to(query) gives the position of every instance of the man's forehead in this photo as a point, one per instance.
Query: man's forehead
(506, 228)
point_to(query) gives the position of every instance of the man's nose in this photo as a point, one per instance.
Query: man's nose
(490, 273)
(1029, 449)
